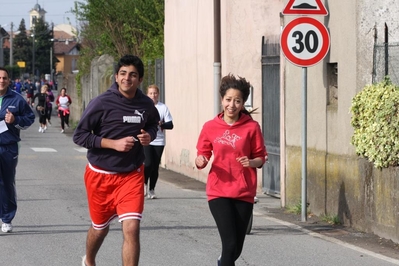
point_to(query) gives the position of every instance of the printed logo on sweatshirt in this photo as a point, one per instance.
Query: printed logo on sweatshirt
(228, 139)
(140, 114)
(134, 119)
(131, 119)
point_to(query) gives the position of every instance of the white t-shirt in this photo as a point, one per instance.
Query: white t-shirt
(64, 102)
(165, 116)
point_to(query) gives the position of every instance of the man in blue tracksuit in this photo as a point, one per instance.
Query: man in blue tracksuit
(15, 114)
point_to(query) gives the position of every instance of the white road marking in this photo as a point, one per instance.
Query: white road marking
(81, 149)
(43, 149)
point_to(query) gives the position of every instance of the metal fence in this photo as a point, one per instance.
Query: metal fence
(386, 62)
(155, 74)
(271, 113)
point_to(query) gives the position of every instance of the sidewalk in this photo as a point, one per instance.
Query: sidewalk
(270, 207)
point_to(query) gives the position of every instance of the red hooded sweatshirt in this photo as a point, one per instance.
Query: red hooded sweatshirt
(228, 178)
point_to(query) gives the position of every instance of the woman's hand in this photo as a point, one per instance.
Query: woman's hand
(246, 162)
(201, 161)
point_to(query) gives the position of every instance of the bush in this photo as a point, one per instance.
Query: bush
(375, 119)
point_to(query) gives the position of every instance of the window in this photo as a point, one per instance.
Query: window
(332, 79)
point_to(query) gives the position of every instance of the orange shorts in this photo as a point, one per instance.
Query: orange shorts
(111, 194)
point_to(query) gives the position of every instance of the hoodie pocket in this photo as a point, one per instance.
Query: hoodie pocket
(228, 182)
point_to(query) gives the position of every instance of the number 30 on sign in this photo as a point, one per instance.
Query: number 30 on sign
(305, 41)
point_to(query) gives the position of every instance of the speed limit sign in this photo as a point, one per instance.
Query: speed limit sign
(305, 41)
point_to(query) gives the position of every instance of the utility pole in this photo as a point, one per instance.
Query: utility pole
(51, 64)
(3, 34)
(33, 48)
(51, 52)
(11, 50)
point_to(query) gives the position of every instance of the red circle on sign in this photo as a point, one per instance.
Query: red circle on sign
(294, 58)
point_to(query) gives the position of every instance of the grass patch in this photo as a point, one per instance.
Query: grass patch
(331, 219)
(295, 209)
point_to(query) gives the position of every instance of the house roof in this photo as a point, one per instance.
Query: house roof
(64, 42)
(62, 35)
(64, 47)
(3, 32)
(69, 29)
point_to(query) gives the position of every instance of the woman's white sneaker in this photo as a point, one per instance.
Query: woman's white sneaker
(151, 194)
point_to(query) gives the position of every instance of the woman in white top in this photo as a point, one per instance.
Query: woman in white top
(153, 152)
(63, 101)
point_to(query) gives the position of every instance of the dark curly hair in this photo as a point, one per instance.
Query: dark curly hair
(238, 83)
(131, 60)
(231, 82)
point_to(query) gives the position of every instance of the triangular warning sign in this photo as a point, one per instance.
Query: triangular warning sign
(305, 7)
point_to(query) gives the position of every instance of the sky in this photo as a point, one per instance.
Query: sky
(16, 10)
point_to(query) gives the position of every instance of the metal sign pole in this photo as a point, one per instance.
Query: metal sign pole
(304, 55)
(304, 144)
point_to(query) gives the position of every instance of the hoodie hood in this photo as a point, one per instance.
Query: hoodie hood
(242, 120)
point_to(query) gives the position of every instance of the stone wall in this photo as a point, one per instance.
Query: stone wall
(97, 82)
(349, 187)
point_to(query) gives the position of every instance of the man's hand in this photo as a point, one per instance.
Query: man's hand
(9, 118)
(124, 144)
(144, 138)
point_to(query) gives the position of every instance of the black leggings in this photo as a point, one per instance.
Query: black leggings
(153, 156)
(42, 116)
(49, 111)
(64, 119)
(232, 218)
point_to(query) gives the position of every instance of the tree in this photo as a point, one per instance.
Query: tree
(41, 43)
(22, 48)
(120, 27)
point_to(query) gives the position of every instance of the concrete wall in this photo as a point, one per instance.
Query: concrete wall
(99, 80)
(340, 183)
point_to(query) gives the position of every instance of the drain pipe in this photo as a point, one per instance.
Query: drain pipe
(217, 56)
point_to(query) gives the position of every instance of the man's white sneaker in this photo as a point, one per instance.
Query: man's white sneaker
(84, 260)
(45, 128)
(62, 131)
(40, 129)
(151, 194)
(6, 228)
